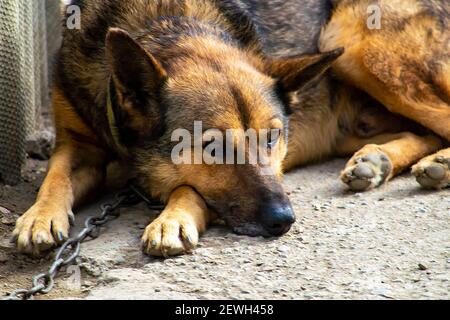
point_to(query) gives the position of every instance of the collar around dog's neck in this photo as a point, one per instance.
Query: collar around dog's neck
(111, 102)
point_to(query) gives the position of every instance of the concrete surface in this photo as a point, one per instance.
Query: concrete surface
(391, 243)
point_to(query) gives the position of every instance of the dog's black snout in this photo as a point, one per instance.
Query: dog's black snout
(277, 219)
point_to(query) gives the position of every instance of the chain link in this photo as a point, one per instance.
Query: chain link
(70, 250)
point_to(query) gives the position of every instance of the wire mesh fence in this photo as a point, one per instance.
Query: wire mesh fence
(29, 37)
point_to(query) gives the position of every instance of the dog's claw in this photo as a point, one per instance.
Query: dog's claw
(71, 218)
(13, 239)
(60, 237)
(189, 240)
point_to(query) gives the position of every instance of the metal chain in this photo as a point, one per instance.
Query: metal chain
(70, 250)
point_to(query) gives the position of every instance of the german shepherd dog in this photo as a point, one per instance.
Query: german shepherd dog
(138, 70)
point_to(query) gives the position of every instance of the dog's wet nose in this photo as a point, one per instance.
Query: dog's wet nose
(277, 219)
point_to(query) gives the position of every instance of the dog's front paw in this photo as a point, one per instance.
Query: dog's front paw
(433, 173)
(367, 171)
(171, 234)
(41, 228)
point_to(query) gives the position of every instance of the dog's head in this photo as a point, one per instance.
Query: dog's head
(213, 117)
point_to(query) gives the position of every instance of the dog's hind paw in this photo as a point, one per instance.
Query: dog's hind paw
(170, 235)
(433, 173)
(365, 172)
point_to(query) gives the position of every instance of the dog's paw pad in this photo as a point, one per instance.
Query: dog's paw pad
(167, 237)
(367, 172)
(433, 174)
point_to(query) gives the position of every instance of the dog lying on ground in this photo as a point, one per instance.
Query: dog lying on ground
(139, 70)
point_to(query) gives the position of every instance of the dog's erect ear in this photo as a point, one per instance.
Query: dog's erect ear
(297, 71)
(138, 76)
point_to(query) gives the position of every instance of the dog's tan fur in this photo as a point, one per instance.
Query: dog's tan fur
(410, 80)
(405, 65)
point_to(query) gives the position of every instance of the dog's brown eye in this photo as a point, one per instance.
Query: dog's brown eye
(273, 138)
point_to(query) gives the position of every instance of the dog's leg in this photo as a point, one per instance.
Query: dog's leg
(74, 170)
(411, 80)
(433, 172)
(179, 226)
(377, 163)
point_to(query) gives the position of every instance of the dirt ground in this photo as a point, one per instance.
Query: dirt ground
(391, 243)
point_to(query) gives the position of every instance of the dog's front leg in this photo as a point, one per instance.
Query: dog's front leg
(177, 229)
(74, 170)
